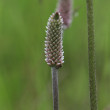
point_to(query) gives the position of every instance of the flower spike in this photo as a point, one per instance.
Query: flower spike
(53, 43)
(65, 9)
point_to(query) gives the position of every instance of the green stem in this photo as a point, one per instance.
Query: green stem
(91, 55)
(55, 87)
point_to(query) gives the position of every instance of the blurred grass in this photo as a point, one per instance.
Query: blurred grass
(25, 78)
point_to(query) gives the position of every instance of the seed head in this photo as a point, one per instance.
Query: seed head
(53, 43)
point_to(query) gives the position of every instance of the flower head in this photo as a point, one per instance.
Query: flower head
(53, 43)
(65, 9)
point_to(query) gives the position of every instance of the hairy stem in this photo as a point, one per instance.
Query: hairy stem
(91, 55)
(55, 87)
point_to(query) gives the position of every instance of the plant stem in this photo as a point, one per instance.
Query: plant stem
(91, 55)
(55, 87)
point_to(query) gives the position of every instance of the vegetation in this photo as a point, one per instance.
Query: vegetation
(25, 78)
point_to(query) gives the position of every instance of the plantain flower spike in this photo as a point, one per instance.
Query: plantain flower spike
(65, 9)
(53, 43)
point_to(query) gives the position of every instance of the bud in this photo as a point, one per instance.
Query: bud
(65, 9)
(53, 43)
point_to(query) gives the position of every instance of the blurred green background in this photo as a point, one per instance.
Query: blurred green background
(25, 78)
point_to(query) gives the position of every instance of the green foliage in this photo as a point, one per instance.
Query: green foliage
(25, 78)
